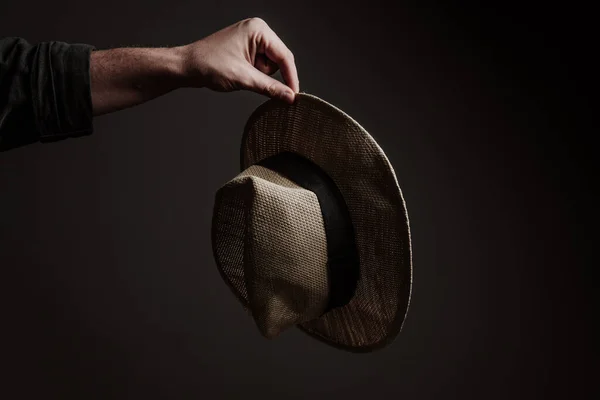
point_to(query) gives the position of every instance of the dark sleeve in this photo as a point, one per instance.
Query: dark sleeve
(45, 92)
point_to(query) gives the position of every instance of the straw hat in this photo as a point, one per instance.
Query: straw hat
(314, 232)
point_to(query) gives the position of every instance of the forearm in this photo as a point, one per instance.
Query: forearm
(125, 77)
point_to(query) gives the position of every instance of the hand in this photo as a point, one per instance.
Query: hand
(242, 56)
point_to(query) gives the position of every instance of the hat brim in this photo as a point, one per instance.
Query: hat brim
(337, 143)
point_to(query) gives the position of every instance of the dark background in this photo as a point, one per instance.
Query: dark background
(108, 285)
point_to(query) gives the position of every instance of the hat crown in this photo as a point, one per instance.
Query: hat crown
(284, 260)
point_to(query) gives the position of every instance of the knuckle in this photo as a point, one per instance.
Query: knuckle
(256, 23)
(271, 89)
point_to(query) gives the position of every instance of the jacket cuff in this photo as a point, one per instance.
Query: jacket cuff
(62, 99)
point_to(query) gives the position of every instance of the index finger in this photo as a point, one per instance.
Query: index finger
(278, 52)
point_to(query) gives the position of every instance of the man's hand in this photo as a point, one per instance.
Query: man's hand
(239, 57)
(242, 56)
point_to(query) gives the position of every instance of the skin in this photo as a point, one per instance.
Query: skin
(239, 57)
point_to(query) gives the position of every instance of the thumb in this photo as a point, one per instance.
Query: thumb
(264, 84)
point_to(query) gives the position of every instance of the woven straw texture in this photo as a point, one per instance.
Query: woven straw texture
(321, 132)
(280, 248)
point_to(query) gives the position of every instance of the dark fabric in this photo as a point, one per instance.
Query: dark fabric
(342, 254)
(45, 92)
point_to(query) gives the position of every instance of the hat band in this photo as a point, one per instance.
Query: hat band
(343, 262)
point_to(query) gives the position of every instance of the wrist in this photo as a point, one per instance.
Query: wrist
(191, 71)
(175, 65)
(180, 65)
